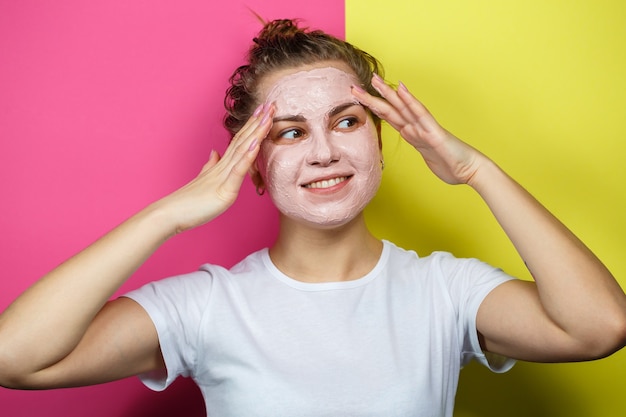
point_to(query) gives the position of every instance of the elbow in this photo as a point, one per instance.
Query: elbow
(16, 381)
(11, 376)
(6, 374)
(619, 334)
(8, 378)
(608, 338)
(10, 383)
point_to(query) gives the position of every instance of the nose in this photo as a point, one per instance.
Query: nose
(323, 152)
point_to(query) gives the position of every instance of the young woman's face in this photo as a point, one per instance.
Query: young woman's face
(321, 162)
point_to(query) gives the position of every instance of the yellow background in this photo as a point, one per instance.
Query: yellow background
(540, 86)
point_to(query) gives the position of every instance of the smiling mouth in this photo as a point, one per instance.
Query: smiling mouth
(326, 183)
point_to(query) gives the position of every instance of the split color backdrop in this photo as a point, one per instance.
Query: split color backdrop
(540, 86)
(106, 106)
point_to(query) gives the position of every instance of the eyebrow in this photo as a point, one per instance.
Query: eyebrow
(290, 118)
(333, 112)
(336, 110)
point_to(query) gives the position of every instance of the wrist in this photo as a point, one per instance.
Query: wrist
(485, 174)
(159, 219)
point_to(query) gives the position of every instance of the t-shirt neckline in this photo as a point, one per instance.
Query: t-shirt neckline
(328, 286)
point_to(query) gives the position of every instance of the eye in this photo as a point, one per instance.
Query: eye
(347, 123)
(291, 134)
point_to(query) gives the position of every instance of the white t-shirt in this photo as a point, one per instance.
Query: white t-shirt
(259, 343)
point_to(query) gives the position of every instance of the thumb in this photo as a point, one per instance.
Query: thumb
(214, 158)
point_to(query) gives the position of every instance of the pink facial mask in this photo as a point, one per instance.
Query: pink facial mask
(319, 166)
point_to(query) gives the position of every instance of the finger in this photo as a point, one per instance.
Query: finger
(258, 132)
(391, 95)
(424, 117)
(244, 131)
(251, 134)
(243, 154)
(380, 107)
(239, 167)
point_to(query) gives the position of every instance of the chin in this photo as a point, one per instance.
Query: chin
(323, 220)
(326, 211)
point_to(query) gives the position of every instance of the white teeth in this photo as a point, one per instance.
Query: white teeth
(326, 183)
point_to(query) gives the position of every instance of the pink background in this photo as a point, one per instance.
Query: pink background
(106, 106)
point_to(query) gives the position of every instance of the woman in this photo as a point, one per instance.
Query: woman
(329, 320)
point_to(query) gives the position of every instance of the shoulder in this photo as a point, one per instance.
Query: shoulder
(197, 285)
(250, 264)
(435, 262)
(444, 267)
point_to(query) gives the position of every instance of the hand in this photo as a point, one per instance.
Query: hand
(451, 159)
(216, 187)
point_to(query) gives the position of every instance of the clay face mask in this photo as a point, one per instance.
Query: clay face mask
(321, 161)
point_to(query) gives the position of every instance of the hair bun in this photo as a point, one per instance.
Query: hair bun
(278, 30)
(284, 44)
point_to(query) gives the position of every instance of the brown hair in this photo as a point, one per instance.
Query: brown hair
(283, 44)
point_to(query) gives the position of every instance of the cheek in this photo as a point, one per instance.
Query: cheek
(361, 148)
(278, 163)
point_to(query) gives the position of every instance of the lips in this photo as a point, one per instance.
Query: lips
(326, 183)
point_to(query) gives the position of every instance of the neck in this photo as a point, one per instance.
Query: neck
(313, 254)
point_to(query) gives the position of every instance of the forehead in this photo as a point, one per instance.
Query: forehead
(311, 87)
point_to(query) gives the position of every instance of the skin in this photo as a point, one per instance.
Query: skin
(322, 157)
(575, 310)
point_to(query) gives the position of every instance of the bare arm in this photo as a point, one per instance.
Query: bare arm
(575, 310)
(57, 333)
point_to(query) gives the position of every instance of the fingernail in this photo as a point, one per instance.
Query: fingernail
(258, 110)
(253, 145)
(377, 77)
(402, 87)
(358, 88)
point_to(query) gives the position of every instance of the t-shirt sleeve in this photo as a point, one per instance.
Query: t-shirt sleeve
(176, 306)
(469, 281)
